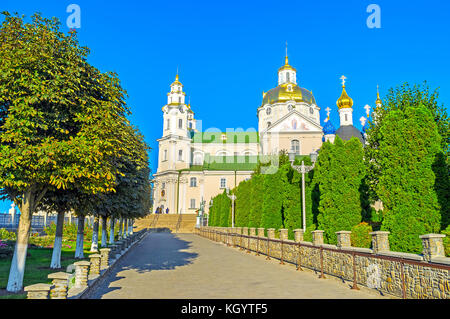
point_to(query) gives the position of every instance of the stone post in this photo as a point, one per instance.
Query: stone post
(245, 231)
(260, 232)
(271, 233)
(238, 238)
(81, 273)
(60, 281)
(380, 241)
(104, 260)
(343, 238)
(433, 246)
(283, 234)
(317, 237)
(38, 291)
(252, 231)
(298, 234)
(95, 264)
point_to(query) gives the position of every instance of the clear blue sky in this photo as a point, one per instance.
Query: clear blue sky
(228, 52)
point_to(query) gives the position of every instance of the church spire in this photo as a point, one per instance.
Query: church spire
(378, 100)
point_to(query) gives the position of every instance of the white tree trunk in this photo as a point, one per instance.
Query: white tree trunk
(131, 226)
(104, 231)
(120, 228)
(125, 225)
(111, 230)
(17, 269)
(94, 244)
(79, 253)
(56, 255)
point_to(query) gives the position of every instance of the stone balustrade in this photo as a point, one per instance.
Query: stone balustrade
(400, 274)
(38, 291)
(81, 273)
(60, 283)
(86, 272)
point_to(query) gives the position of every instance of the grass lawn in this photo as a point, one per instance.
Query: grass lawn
(37, 266)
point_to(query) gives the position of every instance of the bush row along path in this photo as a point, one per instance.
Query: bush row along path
(185, 266)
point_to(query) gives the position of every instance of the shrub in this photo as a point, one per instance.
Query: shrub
(360, 235)
(447, 241)
(51, 229)
(307, 236)
(7, 235)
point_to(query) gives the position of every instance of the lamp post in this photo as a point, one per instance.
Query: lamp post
(303, 169)
(233, 198)
(200, 213)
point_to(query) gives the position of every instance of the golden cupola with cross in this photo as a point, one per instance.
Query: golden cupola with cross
(287, 89)
(344, 100)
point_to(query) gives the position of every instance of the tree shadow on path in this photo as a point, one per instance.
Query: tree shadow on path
(158, 251)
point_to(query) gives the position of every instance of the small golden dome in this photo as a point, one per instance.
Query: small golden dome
(344, 101)
(176, 81)
(286, 66)
(378, 100)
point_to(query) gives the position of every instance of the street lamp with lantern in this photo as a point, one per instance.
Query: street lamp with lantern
(233, 198)
(303, 169)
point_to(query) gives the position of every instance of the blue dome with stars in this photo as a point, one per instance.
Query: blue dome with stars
(329, 128)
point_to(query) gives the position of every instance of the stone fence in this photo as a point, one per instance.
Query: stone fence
(83, 274)
(400, 274)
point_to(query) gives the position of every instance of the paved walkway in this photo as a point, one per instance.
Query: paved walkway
(185, 266)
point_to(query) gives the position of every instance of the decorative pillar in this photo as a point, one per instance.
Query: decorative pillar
(104, 259)
(252, 231)
(283, 234)
(81, 273)
(260, 232)
(38, 291)
(245, 231)
(298, 235)
(433, 246)
(95, 264)
(60, 281)
(343, 238)
(317, 237)
(380, 241)
(270, 233)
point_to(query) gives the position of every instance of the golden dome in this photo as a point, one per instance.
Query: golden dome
(344, 101)
(287, 92)
(378, 100)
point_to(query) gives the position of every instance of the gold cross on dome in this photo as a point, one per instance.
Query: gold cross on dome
(343, 78)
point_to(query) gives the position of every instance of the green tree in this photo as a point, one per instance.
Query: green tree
(409, 142)
(58, 118)
(339, 171)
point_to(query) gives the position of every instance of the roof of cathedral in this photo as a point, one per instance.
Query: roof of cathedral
(348, 131)
(225, 137)
(286, 92)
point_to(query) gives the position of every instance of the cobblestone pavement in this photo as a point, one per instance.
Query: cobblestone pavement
(184, 266)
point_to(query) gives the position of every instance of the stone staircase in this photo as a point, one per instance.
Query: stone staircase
(175, 223)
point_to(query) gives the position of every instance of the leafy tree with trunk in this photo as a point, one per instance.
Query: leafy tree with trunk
(57, 115)
(340, 171)
(408, 145)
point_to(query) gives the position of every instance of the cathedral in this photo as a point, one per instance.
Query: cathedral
(195, 165)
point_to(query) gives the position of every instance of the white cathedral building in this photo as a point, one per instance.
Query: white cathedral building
(195, 166)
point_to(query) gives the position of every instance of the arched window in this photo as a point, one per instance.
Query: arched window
(295, 147)
(180, 155)
(168, 124)
(180, 123)
(193, 182)
(287, 77)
